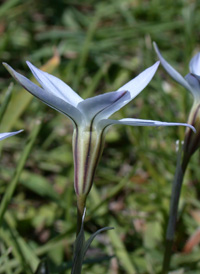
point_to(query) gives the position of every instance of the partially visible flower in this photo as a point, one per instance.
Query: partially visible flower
(192, 83)
(8, 134)
(89, 117)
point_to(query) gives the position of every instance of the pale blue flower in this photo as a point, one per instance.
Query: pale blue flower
(89, 117)
(8, 134)
(192, 83)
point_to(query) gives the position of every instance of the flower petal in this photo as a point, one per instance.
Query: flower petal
(195, 64)
(8, 134)
(172, 72)
(94, 106)
(54, 85)
(134, 87)
(139, 122)
(194, 82)
(46, 97)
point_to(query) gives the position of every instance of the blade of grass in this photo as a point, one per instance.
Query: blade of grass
(11, 188)
(7, 5)
(11, 240)
(26, 254)
(113, 192)
(89, 92)
(6, 101)
(4, 260)
(85, 49)
(42, 268)
(120, 251)
(61, 240)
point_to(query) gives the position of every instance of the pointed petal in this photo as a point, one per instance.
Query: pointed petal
(139, 122)
(172, 72)
(195, 64)
(46, 97)
(8, 134)
(133, 88)
(54, 85)
(194, 82)
(136, 85)
(92, 107)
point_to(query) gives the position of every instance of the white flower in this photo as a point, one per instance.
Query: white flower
(89, 117)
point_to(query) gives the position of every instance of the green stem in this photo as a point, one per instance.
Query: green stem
(81, 201)
(167, 256)
(80, 238)
(174, 202)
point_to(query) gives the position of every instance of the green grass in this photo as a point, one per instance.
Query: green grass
(101, 46)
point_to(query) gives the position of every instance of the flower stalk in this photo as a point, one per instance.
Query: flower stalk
(81, 202)
(173, 212)
(191, 82)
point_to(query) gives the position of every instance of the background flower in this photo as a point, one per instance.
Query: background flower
(192, 83)
(8, 134)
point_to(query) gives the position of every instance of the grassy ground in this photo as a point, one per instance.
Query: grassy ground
(97, 46)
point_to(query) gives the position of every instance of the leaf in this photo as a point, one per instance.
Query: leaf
(42, 268)
(81, 246)
(89, 241)
(79, 249)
